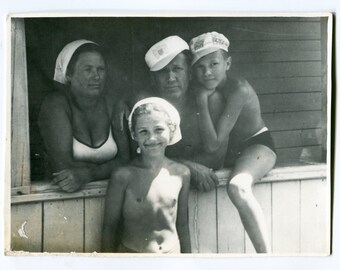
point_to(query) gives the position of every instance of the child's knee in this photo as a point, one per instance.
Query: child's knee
(239, 187)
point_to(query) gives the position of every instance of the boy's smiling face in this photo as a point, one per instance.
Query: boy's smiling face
(211, 69)
(152, 133)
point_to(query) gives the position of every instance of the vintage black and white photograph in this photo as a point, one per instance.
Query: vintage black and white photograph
(170, 135)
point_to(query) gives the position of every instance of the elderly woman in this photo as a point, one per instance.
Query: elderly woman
(82, 141)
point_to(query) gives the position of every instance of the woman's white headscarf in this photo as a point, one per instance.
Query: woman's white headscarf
(168, 108)
(64, 58)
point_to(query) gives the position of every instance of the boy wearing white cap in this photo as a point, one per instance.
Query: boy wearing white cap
(229, 114)
(149, 196)
(169, 61)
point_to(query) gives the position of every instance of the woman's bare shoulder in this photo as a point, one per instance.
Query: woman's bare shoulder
(55, 107)
(55, 99)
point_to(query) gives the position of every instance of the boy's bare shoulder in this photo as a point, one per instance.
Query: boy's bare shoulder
(239, 87)
(124, 174)
(236, 88)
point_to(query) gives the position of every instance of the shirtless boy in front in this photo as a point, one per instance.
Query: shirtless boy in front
(150, 195)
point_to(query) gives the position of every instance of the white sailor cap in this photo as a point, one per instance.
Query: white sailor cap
(207, 43)
(162, 53)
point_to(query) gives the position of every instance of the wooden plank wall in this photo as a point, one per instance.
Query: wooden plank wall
(20, 148)
(296, 214)
(283, 62)
(283, 58)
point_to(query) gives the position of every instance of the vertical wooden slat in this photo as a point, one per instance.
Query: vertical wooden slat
(26, 227)
(230, 228)
(193, 219)
(206, 222)
(325, 81)
(263, 193)
(64, 226)
(286, 217)
(20, 159)
(315, 213)
(94, 214)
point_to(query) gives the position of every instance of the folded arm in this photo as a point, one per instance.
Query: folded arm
(216, 135)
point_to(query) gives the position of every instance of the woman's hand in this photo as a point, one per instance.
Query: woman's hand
(70, 180)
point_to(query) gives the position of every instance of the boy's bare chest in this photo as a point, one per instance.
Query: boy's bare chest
(160, 192)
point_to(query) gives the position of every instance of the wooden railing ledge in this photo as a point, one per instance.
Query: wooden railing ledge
(42, 191)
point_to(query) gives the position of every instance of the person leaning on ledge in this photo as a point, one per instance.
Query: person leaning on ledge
(169, 61)
(77, 125)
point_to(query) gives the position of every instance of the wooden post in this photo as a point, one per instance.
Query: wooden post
(20, 159)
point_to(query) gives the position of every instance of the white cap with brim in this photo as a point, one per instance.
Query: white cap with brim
(64, 58)
(168, 108)
(164, 51)
(207, 43)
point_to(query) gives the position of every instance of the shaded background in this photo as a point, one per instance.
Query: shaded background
(283, 58)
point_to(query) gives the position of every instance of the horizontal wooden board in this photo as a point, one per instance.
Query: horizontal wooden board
(248, 30)
(284, 56)
(271, 31)
(56, 195)
(277, 70)
(257, 46)
(286, 85)
(43, 190)
(296, 138)
(299, 154)
(276, 19)
(293, 120)
(283, 173)
(250, 19)
(291, 102)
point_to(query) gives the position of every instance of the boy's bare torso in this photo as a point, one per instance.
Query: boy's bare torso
(250, 120)
(247, 124)
(150, 209)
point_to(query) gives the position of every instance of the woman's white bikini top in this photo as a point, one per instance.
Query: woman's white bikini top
(105, 152)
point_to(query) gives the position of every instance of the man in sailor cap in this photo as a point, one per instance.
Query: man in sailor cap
(169, 61)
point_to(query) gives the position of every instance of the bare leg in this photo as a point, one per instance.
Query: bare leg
(253, 164)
